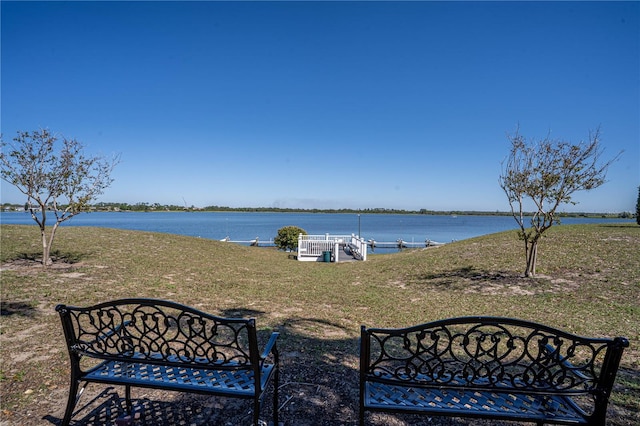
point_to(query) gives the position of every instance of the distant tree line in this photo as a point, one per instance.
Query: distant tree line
(157, 207)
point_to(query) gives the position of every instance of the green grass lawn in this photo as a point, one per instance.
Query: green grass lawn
(588, 283)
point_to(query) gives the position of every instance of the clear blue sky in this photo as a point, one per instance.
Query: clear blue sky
(324, 104)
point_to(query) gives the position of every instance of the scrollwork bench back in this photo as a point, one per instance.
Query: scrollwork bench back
(488, 367)
(166, 345)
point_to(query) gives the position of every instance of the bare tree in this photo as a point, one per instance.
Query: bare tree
(57, 180)
(546, 173)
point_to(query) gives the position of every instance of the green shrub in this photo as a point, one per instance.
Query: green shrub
(287, 238)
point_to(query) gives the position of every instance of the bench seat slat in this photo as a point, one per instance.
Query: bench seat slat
(509, 405)
(222, 382)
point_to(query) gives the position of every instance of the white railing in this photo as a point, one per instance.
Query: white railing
(359, 245)
(312, 247)
(315, 248)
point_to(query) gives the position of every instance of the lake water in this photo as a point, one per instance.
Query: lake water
(241, 226)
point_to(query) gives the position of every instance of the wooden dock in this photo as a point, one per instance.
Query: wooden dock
(400, 244)
(372, 244)
(253, 243)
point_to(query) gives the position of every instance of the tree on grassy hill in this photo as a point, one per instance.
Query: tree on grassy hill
(547, 173)
(638, 208)
(59, 180)
(287, 238)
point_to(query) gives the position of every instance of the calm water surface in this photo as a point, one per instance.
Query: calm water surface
(240, 226)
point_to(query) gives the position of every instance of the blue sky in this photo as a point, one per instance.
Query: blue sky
(324, 104)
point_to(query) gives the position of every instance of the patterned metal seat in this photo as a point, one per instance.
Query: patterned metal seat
(477, 404)
(231, 382)
(165, 345)
(488, 367)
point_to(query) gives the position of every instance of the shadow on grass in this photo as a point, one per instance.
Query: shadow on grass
(69, 257)
(241, 313)
(617, 225)
(109, 406)
(16, 308)
(469, 273)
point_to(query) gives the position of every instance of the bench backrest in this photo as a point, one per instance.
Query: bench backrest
(159, 332)
(491, 353)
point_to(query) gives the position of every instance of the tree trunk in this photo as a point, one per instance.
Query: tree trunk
(532, 257)
(526, 255)
(46, 248)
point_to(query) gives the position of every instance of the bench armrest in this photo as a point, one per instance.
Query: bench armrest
(271, 344)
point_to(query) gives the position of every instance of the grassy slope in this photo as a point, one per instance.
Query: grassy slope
(589, 284)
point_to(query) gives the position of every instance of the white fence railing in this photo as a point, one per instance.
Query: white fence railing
(359, 247)
(312, 247)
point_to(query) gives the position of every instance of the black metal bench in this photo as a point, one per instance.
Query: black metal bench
(488, 367)
(165, 345)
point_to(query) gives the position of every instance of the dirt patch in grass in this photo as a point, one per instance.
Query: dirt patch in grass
(33, 266)
(470, 280)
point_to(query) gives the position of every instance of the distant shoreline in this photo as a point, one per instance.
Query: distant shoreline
(156, 208)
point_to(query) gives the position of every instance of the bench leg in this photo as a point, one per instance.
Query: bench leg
(256, 411)
(276, 386)
(127, 397)
(74, 397)
(71, 402)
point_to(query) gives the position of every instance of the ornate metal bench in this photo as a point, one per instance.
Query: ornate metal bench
(488, 367)
(165, 345)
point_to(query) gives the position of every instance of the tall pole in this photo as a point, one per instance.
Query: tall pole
(359, 235)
